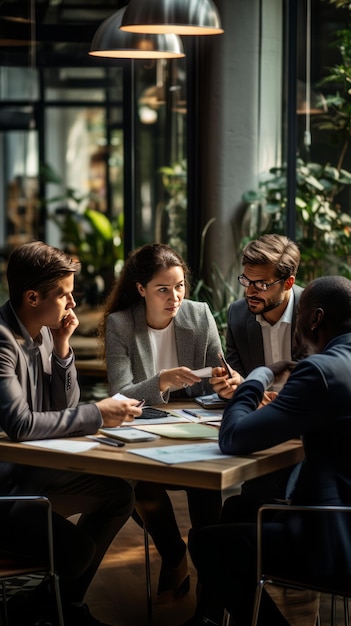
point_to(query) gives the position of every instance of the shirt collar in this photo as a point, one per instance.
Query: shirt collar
(30, 343)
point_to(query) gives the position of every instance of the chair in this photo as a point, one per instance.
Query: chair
(136, 517)
(14, 567)
(335, 588)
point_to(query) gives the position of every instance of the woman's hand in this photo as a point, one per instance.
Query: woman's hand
(176, 378)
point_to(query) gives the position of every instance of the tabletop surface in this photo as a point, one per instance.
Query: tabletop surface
(220, 473)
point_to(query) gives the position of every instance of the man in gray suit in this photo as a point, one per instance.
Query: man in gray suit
(260, 331)
(39, 399)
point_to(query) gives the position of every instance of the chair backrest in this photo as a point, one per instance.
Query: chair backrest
(7, 559)
(333, 583)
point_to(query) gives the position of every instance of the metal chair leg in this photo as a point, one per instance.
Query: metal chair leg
(257, 603)
(333, 611)
(226, 618)
(148, 577)
(3, 617)
(57, 594)
(346, 611)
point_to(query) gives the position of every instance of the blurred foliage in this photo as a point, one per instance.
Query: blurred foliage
(174, 181)
(323, 222)
(323, 229)
(218, 292)
(88, 234)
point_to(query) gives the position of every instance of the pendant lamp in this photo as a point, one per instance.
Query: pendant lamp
(111, 42)
(183, 17)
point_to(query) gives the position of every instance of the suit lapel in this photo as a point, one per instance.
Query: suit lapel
(11, 321)
(143, 342)
(184, 337)
(255, 342)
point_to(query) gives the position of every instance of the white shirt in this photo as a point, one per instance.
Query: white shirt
(163, 347)
(277, 337)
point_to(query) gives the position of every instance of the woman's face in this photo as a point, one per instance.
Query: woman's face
(163, 296)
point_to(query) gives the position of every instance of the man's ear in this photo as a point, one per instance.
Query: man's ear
(30, 297)
(288, 283)
(317, 318)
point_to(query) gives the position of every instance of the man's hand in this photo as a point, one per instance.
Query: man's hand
(282, 371)
(114, 412)
(63, 333)
(222, 384)
(268, 396)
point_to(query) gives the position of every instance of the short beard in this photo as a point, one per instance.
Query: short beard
(267, 308)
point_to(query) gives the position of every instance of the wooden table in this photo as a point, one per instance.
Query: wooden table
(217, 474)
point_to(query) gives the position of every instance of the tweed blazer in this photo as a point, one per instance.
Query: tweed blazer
(60, 417)
(129, 359)
(244, 340)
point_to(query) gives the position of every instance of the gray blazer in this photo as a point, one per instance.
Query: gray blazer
(244, 337)
(60, 417)
(129, 360)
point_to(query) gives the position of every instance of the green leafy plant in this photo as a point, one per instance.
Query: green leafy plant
(323, 222)
(88, 234)
(323, 229)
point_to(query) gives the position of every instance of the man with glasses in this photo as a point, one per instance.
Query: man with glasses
(260, 331)
(261, 325)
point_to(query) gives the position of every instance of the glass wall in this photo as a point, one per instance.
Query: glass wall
(161, 154)
(94, 160)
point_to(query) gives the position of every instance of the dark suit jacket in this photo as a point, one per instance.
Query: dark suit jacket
(244, 344)
(315, 403)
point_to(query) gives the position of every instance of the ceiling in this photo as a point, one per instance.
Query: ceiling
(62, 30)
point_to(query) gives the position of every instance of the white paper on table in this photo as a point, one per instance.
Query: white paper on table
(63, 445)
(186, 453)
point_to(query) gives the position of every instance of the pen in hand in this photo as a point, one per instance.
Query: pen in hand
(225, 364)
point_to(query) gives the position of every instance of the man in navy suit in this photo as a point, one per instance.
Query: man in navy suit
(315, 404)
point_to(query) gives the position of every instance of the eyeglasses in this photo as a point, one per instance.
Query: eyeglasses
(260, 285)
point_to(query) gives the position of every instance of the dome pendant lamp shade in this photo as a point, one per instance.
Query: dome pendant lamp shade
(183, 17)
(111, 42)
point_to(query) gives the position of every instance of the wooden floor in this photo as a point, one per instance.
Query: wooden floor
(117, 595)
(118, 592)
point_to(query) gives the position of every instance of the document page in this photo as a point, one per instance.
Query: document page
(182, 454)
